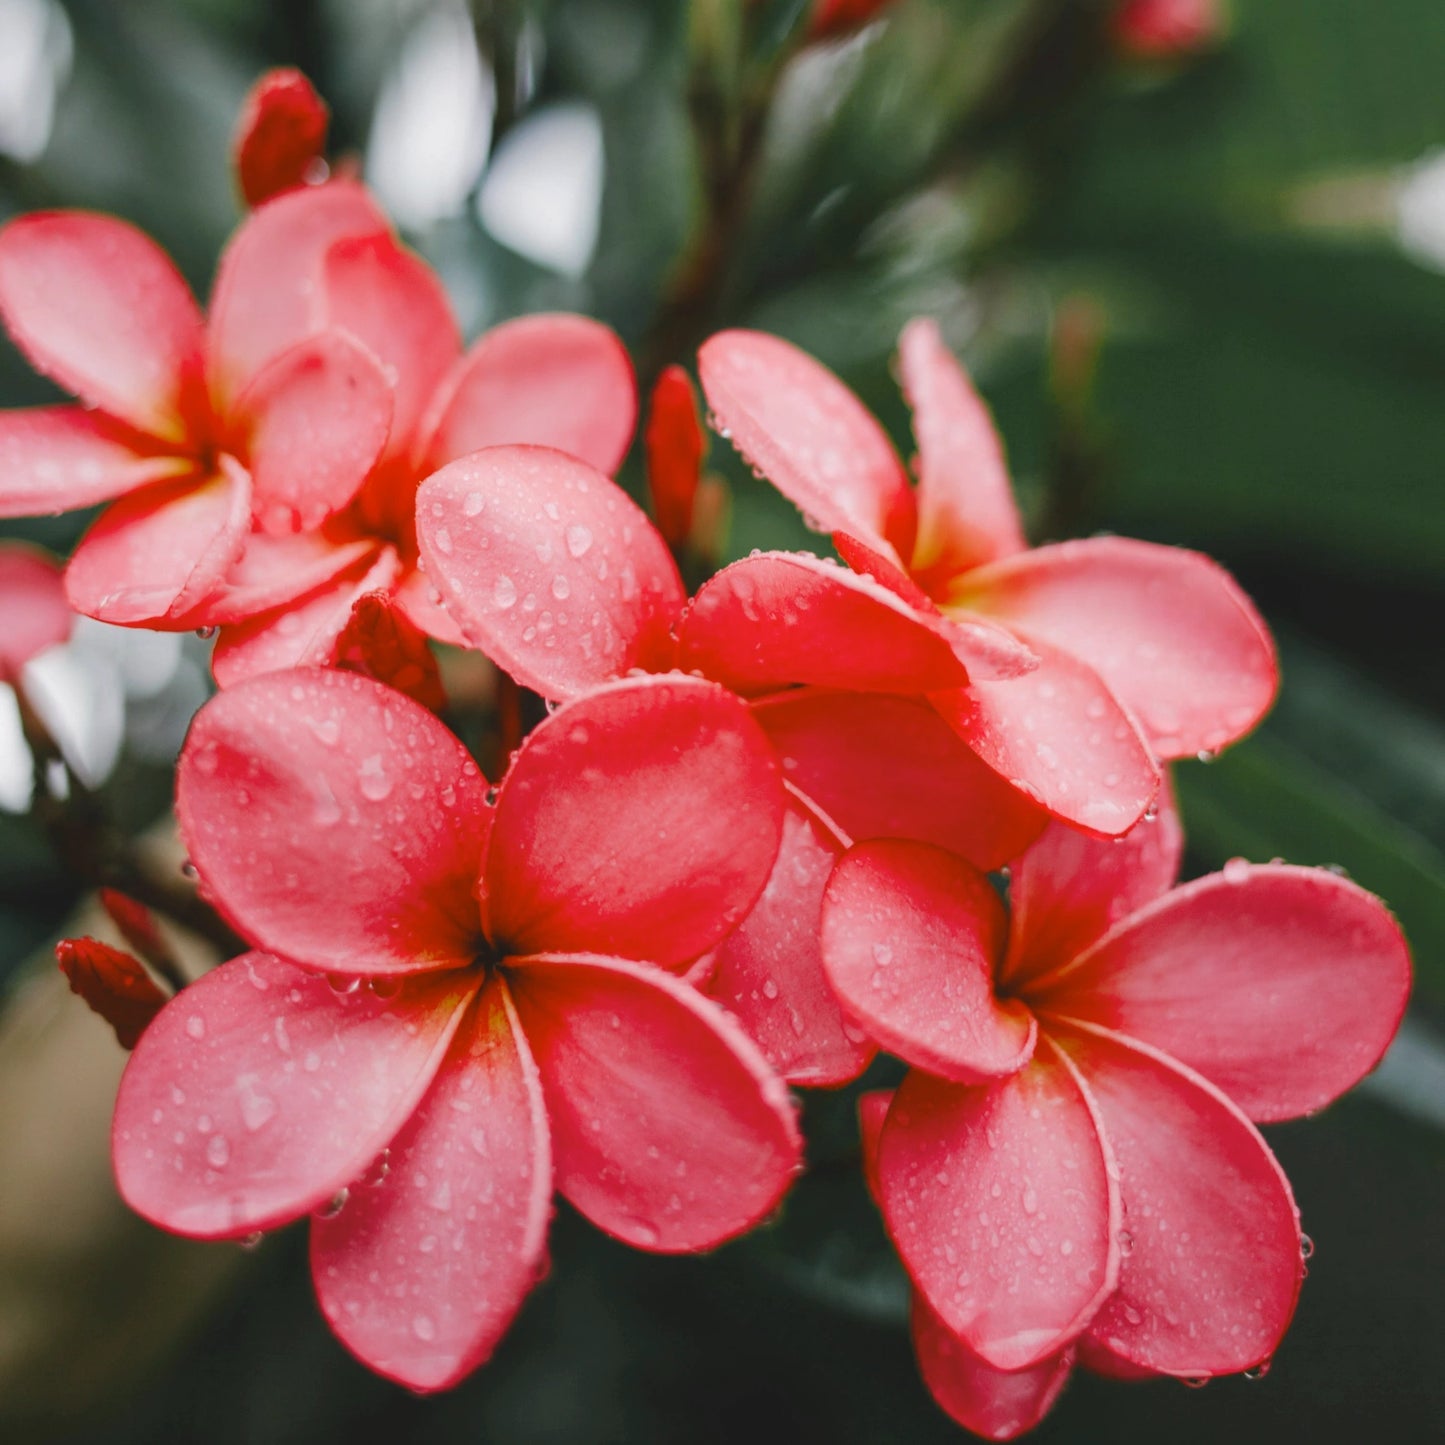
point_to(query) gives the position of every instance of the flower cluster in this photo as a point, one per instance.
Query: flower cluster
(747, 847)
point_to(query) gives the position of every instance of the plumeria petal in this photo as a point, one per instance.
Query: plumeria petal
(380, 641)
(155, 557)
(641, 820)
(335, 822)
(553, 381)
(873, 1110)
(1001, 1202)
(280, 135)
(1069, 888)
(32, 602)
(809, 435)
(1211, 1263)
(1169, 632)
(418, 599)
(58, 458)
(1282, 986)
(669, 1130)
(890, 767)
(97, 305)
(676, 445)
(551, 569)
(966, 511)
(113, 985)
(422, 1270)
(272, 571)
(1059, 736)
(909, 939)
(995, 1404)
(769, 971)
(311, 425)
(261, 1091)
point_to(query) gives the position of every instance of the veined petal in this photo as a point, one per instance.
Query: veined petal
(550, 568)
(1169, 632)
(641, 820)
(1001, 1202)
(336, 822)
(420, 1273)
(551, 381)
(966, 511)
(1212, 1268)
(809, 435)
(890, 767)
(994, 1404)
(1282, 986)
(910, 935)
(769, 971)
(96, 305)
(261, 1091)
(668, 1128)
(58, 458)
(32, 602)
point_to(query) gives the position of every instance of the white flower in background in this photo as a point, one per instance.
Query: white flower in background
(35, 55)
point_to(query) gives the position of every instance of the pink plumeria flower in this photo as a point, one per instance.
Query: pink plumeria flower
(481, 996)
(1070, 1168)
(1139, 651)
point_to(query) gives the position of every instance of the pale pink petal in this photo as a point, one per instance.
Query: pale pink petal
(310, 426)
(262, 1090)
(550, 381)
(641, 820)
(267, 294)
(422, 1270)
(32, 602)
(549, 567)
(272, 571)
(809, 435)
(335, 822)
(1001, 1201)
(910, 935)
(280, 136)
(1282, 986)
(1211, 1264)
(1070, 888)
(994, 1404)
(58, 458)
(966, 511)
(155, 557)
(1168, 631)
(97, 305)
(1058, 736)
(890, 767)
(769, 971)
(669, 1130)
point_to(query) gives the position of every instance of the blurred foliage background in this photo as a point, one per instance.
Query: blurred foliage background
(1206, 298)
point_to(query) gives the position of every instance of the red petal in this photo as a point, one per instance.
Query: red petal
(311, 425)
(1282, 986)
(97, 305)
(995, 1404)
(550, 568)
(676, 445)
(280, 136)
(1058, 736)
(392, 301)
(1168, 631)
(420, 1274)
(272, 571)
(1211, 1267)
(769, 971)
(267, 294)
(380, 642)
(1001, 1202)
(809, 435)
(551, 381)
(966, 511)
(641, 820)
(113, 984)
(873, 1110)
(669, 1130)
(909, 938)
(58, 458)
(890, 767)
(1069, 889)
(32, 602)
(153, 558)
(335, 822)
(261, 1091)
